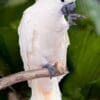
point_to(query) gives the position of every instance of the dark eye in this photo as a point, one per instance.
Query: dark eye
(62, 0)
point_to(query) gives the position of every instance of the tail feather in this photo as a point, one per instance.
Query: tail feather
(45, 89)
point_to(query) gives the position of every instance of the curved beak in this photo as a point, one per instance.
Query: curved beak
(68, 8)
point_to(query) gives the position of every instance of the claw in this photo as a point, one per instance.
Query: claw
(51, 68)
(72, 17)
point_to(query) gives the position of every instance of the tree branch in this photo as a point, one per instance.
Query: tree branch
(27, 75)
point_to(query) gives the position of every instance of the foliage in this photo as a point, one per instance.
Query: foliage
(83, 82)
(92, 9)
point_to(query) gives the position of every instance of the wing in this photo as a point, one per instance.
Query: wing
(29, 41)
(26, 38)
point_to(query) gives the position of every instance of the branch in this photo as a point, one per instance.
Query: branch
(27, 75)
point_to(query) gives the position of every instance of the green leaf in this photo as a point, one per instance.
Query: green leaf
(83, 60)
(4, 68)
(92, 8)
(15, 2)
(9, 48)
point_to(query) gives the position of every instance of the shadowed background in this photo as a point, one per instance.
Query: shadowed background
(83, 82)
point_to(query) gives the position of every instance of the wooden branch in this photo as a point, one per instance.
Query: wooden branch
(26, 75)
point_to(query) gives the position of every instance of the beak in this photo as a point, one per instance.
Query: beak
(68, 8)
(69, 11)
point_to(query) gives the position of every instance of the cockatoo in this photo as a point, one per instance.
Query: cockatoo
(43, 41)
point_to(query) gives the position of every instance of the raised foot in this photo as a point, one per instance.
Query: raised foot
(74, 16)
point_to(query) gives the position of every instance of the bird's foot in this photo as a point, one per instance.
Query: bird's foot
(51, 68)
(74, 16)
(55, 69)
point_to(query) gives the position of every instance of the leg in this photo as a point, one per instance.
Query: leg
(55, 68)
(51, 68)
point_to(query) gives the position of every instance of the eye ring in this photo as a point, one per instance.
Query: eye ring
(62, 0)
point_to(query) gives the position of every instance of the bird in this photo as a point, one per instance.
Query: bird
(43, 41)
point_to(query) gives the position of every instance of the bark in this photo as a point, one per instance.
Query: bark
(28, 75)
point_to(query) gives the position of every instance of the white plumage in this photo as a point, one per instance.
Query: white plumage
(43, 39)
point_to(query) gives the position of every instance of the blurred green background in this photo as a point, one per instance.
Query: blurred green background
(83, 82)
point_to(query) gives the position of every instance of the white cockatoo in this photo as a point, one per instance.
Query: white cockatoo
(43, 41)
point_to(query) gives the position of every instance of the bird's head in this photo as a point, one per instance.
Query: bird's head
(67, 8)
